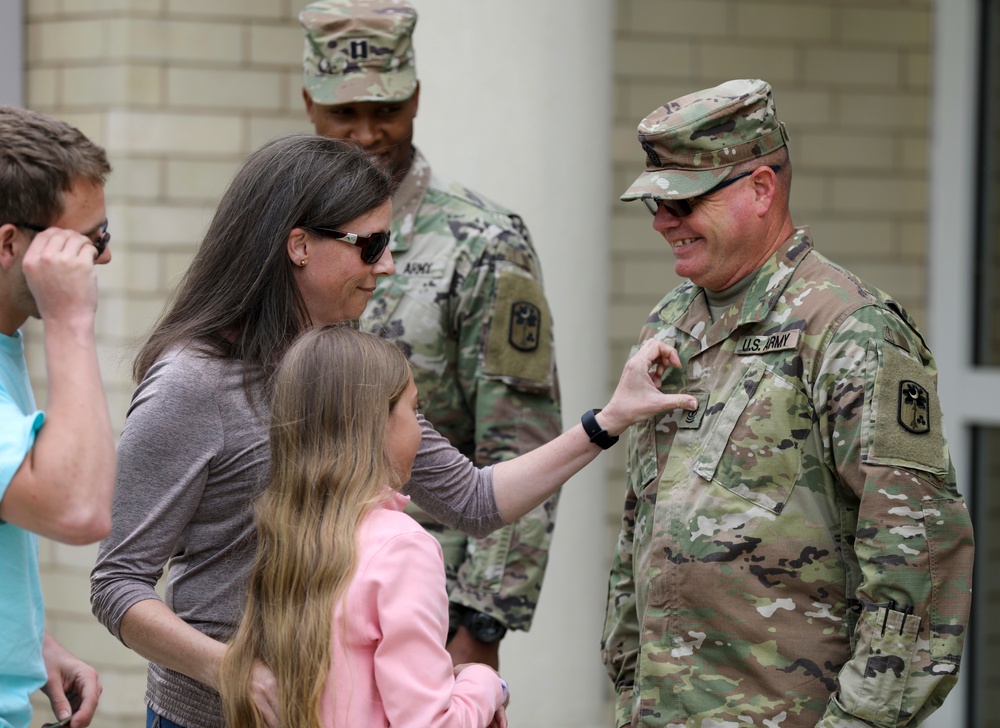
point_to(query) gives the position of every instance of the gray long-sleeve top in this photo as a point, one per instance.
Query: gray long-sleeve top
(192, 458)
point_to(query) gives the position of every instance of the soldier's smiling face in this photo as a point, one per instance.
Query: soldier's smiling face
(720, 242)
(382, 127)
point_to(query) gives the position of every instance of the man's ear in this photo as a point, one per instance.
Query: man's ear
(765, 187)
(9, 248)
(308, 99)
(297, 247)
(416, 99)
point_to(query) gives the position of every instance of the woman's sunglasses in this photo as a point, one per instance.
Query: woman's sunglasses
(371, 246)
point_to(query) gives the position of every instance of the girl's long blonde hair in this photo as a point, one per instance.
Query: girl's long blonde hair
(333, 393)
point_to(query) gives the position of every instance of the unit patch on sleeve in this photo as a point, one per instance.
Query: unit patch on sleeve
(914, 408)
(525, 325)
(902, 412)
(519, 341)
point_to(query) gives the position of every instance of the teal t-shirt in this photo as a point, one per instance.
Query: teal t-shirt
(22, 612)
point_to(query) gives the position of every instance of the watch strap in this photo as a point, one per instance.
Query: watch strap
(597, 434)
(482, 626)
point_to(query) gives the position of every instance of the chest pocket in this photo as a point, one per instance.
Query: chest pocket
(753, 441)
(641, 442)
(642, 454)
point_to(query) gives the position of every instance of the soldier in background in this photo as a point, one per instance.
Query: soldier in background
(466, 304)
(795, 552)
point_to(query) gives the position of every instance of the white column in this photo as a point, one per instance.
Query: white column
(969, 393)
(515, 102)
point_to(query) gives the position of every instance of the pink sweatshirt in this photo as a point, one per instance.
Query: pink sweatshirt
(390, 667)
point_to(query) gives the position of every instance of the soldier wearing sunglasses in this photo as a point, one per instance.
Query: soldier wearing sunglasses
(795, 551)
(57, 468)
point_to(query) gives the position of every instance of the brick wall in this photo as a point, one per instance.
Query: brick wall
(179, 92)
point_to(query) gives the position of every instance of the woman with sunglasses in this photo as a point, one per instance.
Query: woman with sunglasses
(298, 241)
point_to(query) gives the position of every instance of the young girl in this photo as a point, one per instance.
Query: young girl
(347, 601)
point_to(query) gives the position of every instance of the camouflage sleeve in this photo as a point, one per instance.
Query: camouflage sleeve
(620, 642)
(912, 552)
(508, 375)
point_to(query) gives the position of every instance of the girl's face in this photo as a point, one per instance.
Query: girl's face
(403, 434)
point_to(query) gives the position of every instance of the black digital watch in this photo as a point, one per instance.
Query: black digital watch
(482, 626)
(597, 434)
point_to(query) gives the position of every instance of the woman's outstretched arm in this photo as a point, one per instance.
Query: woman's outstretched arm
(480, 500)
(522, 483)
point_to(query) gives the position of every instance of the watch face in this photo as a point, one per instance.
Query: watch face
(484, 628)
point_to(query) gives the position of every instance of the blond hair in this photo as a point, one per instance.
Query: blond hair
(333, 393)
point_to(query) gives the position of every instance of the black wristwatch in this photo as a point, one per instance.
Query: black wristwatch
(482, 626)
(597, 434)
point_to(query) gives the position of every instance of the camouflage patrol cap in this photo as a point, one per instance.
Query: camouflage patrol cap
(359, 50)
(692, 143)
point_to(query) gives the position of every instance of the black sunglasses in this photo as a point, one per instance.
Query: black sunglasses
(100, 242)
(683, 208)
(372, 246)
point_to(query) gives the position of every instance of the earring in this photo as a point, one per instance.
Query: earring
(302, 262)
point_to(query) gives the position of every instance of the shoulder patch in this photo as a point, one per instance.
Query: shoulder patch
(525, 325)
(519, 341)
(914, 408)
(903, 413)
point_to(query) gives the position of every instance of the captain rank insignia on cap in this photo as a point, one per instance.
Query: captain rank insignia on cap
(525, 325)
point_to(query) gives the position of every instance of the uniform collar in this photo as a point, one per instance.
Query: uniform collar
(690, 308)
(406, 201)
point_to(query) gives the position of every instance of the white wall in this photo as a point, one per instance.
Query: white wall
(515, 102)
(971, 395)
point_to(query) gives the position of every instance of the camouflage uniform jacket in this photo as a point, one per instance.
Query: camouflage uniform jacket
(468, 306)
(795, 553)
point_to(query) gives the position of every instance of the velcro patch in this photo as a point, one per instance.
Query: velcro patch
(689, 420)
(895, 338)
(780, 341)
(903, 413)
(519, 342)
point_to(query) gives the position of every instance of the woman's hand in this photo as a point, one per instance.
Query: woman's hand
(264, 690)
(637, 396)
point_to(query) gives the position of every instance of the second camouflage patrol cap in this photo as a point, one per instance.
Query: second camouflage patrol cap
(692, 143)
(359, 50)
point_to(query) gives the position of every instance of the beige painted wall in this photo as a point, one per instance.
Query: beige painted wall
(180, 90)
